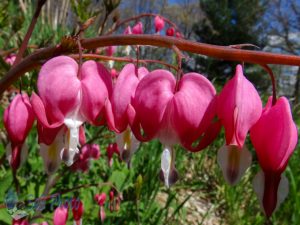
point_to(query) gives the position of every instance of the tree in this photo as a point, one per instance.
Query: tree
(228, 22)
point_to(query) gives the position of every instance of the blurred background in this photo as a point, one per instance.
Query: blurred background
(201, 196)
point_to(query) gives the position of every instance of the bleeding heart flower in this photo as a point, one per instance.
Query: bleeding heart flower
(274, 138)
(88, 152)
(110, 150)
(124, 91)
(173, 113)
(178, 35)
(10, 59)
(170, 31)
(60, 216)
(100, 199)
(238, 107)
(159, 23)
(110, 51)
(77, 210)
(138, 28)
(68, 100)
(127, 30)
(18, 119)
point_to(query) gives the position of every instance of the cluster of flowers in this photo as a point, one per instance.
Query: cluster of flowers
(141, 105)
(144, 105)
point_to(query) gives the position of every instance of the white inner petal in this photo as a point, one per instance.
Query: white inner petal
(73, 122)
(234, 162)
(51, 153)
(259, 188)
(166, 159)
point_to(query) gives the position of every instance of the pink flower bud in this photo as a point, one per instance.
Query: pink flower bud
(60, 215)
(128, 30)
(159, 23)
(18, 120)
(100, 199)
(138, 28)
(77, 209)
(170, 31)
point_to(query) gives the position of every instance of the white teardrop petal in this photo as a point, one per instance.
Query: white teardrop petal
(233, 162)
(166, 159)
(259, 188)
(283, 190)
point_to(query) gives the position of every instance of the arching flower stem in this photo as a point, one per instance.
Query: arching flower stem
(123, 59)
(271, 74)
(29, 31)
(219, 52)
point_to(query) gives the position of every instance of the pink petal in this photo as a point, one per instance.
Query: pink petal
(275, 135)
(159, 23)
(95, 89)
(82, 138)
(123, 92)
(138, 28)
(47, 135)
(62, 96)
(41, 113)
(127, 30)
(152, 96)
(18, 119)
(60, 215)
(239, 107)
(190, 104)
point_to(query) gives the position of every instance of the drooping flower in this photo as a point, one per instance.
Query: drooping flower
(60, 216)
(110, 51)
(77, 210)
(68, 98)
(124, 91)
(178, 35)
(100, 199)
(88, 152)
(173, 113)
(127, 30)
(159, 23)
(18, 119)
(238, 107)
(274, 138)
(10, 59)
(111, 149)
(138, 28)
(170, 31)
(127, 48)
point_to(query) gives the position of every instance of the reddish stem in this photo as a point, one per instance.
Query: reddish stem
(29, 31)
(123, 59)
(271, 74)
(219, 52)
